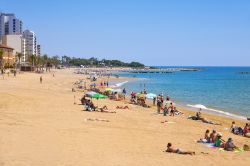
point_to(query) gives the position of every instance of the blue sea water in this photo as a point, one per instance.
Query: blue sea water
(217, 88)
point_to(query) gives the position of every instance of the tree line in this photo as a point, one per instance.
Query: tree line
(49, 61)
(68, 61)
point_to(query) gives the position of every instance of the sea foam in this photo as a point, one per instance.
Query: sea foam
(220, 112)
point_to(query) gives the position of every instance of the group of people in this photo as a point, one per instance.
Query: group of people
(104, 83)
(139, 100)
(240, 131)
(167, 106)
(89, 105)
(216, 139)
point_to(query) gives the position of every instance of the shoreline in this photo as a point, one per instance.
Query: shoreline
(195, 107)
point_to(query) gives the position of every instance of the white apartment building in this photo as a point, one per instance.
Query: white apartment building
(16, 42)
(9, 24)
(39, 50)
(29, 44)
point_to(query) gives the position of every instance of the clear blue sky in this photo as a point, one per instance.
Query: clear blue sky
(155, 32)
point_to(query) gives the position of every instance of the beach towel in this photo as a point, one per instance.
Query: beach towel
(238, 150)
(209, 145)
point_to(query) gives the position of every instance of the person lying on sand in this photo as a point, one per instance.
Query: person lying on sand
(209, 122)
(104, 109)
(121, 107)
(199, 117)
(178, 151)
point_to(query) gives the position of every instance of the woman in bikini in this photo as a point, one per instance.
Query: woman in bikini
(178, 151)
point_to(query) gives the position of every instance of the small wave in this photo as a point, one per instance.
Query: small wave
(119, 84)
(200, 106)
(197, 106)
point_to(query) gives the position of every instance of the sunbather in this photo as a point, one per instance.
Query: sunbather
(236, 129)
(212, 136)
(178, 151)
(122, 107)
(206, 138)
(209, 122)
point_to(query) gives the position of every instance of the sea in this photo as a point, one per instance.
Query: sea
(218, 90)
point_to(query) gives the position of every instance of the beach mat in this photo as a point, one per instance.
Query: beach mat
(211, 145)
(238, 150)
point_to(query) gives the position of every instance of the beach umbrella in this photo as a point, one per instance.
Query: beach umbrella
(117, 90)
(108, 89)
(93, 84)
(150, 95)
(90, 94)
(98, 96)
(140, 95)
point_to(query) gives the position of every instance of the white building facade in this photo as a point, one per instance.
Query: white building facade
(29, 44)
(38, 50)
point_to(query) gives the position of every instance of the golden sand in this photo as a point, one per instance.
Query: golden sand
(41, 126)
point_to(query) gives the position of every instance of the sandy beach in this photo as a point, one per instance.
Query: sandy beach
(40, 126)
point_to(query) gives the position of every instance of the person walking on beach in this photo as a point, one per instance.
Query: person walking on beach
(159, 104)
(167, 105)
(14, 72)
(154, 100)
(124, 93)
(41, 79)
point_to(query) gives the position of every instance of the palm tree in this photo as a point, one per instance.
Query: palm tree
(32, 60)
(19, 55)
(1, 58)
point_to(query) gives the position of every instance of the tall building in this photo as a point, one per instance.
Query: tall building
(29, 44)
(39, 50)
(9, 24)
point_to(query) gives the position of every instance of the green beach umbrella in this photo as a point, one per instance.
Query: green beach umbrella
(98, 96)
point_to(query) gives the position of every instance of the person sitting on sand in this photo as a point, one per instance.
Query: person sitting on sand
(165, 110)
(229, 145)
(90, 106)
(219, 142)
(206, 138)
(236, 129)
(121, 107)
(177, 112)
(178, 151)
(198, 115)
(246, 129)
(212, 136)
(83, 100)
